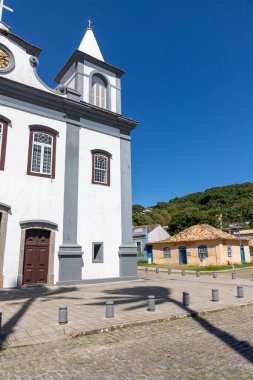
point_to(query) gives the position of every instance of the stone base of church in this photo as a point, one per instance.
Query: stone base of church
(96, 281)
(128, 261)
(70, 263)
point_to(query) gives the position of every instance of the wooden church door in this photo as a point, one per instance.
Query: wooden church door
(36, 256)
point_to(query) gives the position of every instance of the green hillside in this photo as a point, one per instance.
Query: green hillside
(234, 203)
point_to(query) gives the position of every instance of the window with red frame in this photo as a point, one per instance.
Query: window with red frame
(41, 155)
(101, 167)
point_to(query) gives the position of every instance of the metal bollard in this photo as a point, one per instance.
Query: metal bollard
(151, 303)
(240, 292)
(186, 298)
(169, 271)
(234, 275)
(146, 270)
(198, 273)
(63, 315)
(0, 321)
(109, 309)
(157, 270)
(215, 274)
(215, 295)
(183, 272)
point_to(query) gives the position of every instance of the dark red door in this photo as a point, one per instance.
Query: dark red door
(36, 256)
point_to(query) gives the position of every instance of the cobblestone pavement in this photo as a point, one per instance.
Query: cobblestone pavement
(30, 315)
(215, 346)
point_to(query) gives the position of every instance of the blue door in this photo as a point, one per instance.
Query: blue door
(242, 254)
(149, 252)
(182, 253)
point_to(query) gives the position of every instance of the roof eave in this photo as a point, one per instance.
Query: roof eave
(77, 55)
(30, 49)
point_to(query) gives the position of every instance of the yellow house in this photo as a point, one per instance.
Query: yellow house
(201, 245)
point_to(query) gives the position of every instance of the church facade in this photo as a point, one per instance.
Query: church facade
(65, 169)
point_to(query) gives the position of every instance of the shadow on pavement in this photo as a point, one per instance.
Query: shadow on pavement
(140, 293)
(30, 294)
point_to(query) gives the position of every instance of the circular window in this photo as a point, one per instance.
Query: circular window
(6, 60)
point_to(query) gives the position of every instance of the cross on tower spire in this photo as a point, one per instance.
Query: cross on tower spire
(2, 7)
(89, 24)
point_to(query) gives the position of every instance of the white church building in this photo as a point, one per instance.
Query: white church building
(65, 169)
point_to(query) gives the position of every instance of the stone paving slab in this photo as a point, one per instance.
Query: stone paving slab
(216, 346)
(30, 315)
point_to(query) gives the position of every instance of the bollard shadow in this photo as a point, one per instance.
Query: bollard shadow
(132, 296)
(29, 295)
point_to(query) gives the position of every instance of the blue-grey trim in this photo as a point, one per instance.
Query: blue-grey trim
(51, 102)
(118, 96)
(128, 260)
(70, 253)
(70, 267)
(85, 123)
(30, 49)
(70, 250)
(5, 207)
(12, 60)
(44, 128)
(97, 281)
(80, 56)
(38, 223)
(127, 250)
(71, 185)
(108, 87)
(126, 192)
(73, 94)
(100, 258)
(79, 77)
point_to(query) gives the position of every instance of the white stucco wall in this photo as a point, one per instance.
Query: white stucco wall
(158, 234)
(23, 72)
(99, 207)
(30, 197)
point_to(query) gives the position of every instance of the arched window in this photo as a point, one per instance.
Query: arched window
(3, 142)
(166, 253)
(98, 91)
(203, 251)
(41, 155)
(101, 167)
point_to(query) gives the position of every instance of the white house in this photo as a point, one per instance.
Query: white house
(65, 169)
(142, 235)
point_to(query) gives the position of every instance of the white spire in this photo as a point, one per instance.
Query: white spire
(89, 44)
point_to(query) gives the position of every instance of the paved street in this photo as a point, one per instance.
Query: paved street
(30, 315)
(215, 346)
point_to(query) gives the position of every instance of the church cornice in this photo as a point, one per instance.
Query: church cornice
(81, 56)
(30, 49)
(69, 108)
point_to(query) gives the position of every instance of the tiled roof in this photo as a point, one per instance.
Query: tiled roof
(201, 232)
(244, 232)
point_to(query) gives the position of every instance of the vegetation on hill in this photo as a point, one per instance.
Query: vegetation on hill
(216, 206)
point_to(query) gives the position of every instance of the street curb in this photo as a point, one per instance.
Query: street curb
(73, 335)
(158, 320)
(187, 271)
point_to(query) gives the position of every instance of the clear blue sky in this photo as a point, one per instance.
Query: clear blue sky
(189, 81)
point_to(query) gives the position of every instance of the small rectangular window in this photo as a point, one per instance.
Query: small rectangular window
(97, 253)
(166, 253)
(229, 248)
